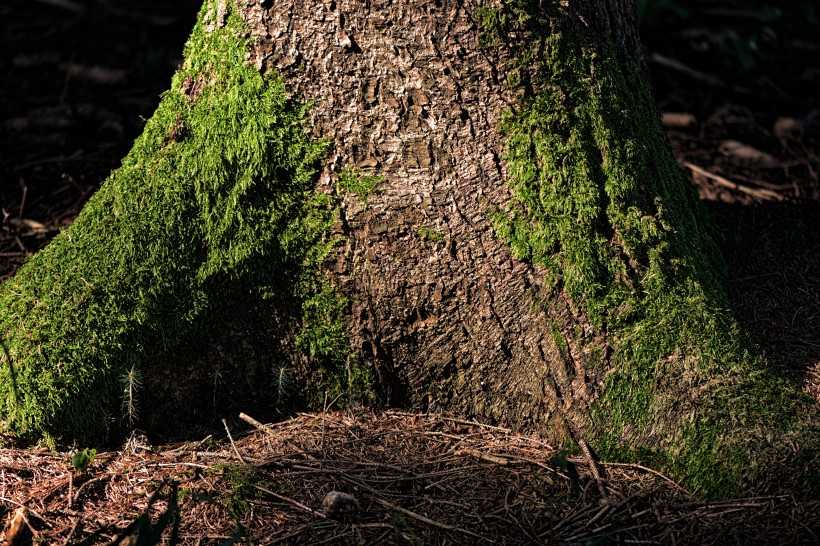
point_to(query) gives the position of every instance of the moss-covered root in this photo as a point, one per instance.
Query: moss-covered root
(212, 196)
(603, 206)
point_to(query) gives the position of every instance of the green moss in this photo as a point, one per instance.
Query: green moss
(359, 183)
(493, 24)
(430, 234)
(241, 481)
(324, 337)
(215, 198)
(559, 340)
(353, 384)
(603, 206)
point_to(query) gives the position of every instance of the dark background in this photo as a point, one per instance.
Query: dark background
(737, 82)
(78, 79)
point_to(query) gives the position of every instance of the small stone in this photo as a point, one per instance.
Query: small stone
(340, 506)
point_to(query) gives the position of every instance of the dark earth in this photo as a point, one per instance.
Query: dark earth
(737, 84)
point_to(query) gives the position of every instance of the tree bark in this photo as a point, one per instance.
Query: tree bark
(441, 309)
(513, 242)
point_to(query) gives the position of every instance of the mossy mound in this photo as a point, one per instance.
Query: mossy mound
(215, 197)
(603, 206)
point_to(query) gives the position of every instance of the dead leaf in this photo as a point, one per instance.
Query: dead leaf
(97, 74)
(16, 532)
(31, 227)
(678, 120)
(744, 154)
(787, 127)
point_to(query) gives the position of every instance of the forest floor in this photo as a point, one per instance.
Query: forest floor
(737, 84)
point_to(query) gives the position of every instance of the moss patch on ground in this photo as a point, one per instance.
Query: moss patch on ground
(215, 197)
(601, 203)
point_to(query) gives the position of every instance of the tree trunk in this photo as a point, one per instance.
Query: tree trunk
(476, 212)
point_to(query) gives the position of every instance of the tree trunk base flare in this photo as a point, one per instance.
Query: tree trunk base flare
(454, 205)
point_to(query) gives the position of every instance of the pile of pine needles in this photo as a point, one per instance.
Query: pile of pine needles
(371, 478)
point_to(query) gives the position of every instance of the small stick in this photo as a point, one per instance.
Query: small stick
(65, 4)
(23, 200)
(593, 467)
(251, 421)
(726, 183)
(233, 445)
(295, 503)
(696, 74)
(424, 519)
(598, 516)
(651, 471)
(29, 510)
(73, 500)
(70, 489)
(71, 532)
(489, 457)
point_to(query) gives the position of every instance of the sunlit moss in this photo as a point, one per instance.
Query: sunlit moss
(601, 203)
(215, 196)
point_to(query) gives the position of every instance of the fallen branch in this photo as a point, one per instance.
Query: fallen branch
(290, 501)
(696, 74)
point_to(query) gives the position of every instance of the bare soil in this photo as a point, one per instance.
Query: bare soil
(737, 84)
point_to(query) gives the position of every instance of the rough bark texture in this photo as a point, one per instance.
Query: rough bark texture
(440, 307)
